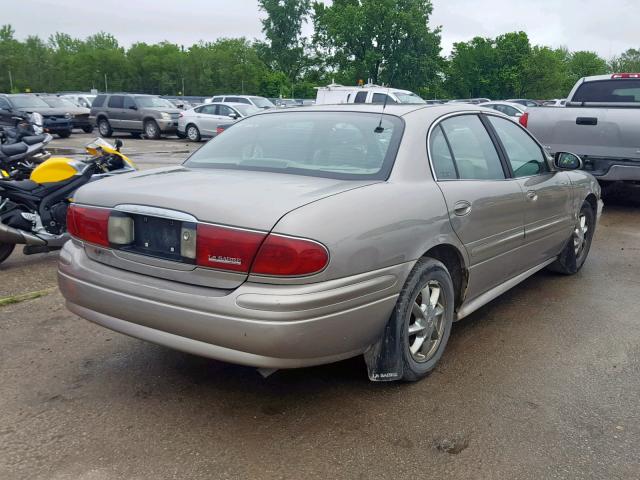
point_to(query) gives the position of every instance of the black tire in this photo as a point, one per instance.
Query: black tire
(64, 133)
(577, 249)
(429, 274)
(5, 250)
(151, 130)
(136, 134)
(179, 134)
(193, 133)
(87, 128)
(104, 128)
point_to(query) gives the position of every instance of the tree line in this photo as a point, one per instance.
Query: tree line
(383, 41)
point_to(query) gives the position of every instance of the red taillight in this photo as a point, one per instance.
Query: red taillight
(524, 119)
(219, 130)
(89, 224)
(625, 75)
(280, 255)
(226, 248)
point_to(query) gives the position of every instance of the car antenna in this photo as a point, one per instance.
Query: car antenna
(380, 128)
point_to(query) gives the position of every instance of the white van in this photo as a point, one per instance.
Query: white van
(335, 94)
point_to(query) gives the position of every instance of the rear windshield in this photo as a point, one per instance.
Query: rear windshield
(609, 91)
(28, 101)
(153, 102)
(341, 145)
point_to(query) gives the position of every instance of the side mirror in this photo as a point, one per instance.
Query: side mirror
(132, 107)
(235, 116)
(118, 144)
(567, 161)
(518, 114)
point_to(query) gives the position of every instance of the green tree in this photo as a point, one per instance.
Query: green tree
(627, 62)
(385, 41)
(583, 64)
(283, 28)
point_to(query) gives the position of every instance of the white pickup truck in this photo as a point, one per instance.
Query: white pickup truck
(601, 123)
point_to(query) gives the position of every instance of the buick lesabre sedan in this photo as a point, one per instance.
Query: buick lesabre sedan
(306, 236)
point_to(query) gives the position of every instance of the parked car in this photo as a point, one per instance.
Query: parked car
(202, 122)
(79, 115)
(513, 110)
(55, 120)
(80, 99)
(524, 101)
(134, 113)
(336, 94)
(600, 123)
(306, 236)
(254, 100)
(287, 102)
(558, 102)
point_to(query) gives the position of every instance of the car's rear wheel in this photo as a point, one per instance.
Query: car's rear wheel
(193, 133)
(425, 308)
(5, 250)
(151, 130)
(104, 127)
(577, 249)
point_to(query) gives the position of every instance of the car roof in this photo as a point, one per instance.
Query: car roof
(399, 110)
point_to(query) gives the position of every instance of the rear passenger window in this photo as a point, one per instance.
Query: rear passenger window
(116, 101)
(473, 150)
(98, 101)
(523, 153)
(128, 102)
(441, 158)
(361, 97)
(217, 99)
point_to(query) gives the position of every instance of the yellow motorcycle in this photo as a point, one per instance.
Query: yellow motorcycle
(33, 212)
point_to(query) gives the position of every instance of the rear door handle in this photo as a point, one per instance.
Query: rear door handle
(586, 121)
(532, 195)
(462, 208)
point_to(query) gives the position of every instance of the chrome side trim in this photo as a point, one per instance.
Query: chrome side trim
(156, 212)
(471, 306)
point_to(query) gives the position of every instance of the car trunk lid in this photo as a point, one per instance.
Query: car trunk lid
(244, 199)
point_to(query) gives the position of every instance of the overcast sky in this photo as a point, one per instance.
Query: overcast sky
(606, 26)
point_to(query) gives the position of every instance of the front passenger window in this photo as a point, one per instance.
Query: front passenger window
(524, 155)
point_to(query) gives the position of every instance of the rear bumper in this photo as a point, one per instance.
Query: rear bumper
(613, 169)
(268, 326)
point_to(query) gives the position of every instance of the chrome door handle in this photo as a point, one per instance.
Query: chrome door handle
(462, 208)
(532, 195)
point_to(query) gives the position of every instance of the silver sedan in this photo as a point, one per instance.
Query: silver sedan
(306, 236)
(202, 121)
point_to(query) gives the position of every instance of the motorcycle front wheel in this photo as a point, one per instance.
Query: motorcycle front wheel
(5, 250)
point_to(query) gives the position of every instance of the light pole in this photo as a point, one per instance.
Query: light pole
(10, 82)
(106, 88)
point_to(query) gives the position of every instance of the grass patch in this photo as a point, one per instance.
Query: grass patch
(24, 297)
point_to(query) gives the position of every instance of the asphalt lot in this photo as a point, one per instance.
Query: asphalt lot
(544, 382)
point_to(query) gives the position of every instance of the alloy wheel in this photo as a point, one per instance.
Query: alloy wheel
(192, 133)
(426, 322)
(151, 130)
(580, 235)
